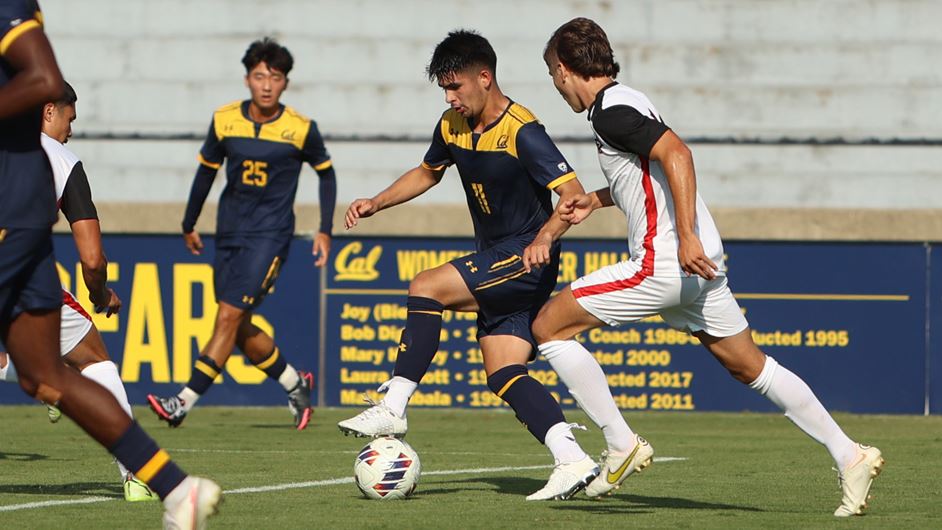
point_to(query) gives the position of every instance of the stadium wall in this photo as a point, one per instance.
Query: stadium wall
(782, 72)
(859, 321)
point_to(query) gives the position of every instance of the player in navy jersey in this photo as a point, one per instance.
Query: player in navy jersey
(30, 294)
(264, 145)
(509, 168)
(676, 270)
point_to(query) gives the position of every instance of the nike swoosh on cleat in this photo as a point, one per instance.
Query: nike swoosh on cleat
(612, 478)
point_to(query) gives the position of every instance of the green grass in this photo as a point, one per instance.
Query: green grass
(741, 471)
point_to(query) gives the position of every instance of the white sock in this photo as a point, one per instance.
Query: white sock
(398, 391)
(105, 373)
(586, 381)
(8, 372)
(800, 405)
(289, 379)
(180, 493)
(562, 444)
(189, 397)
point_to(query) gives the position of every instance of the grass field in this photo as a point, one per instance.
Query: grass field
(725, 470)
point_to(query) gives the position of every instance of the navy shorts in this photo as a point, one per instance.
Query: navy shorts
(508, 297)
(245, 268)
(28, 277)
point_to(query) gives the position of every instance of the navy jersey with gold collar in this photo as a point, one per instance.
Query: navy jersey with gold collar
(263, 162)
(27, 193)
(507, 171)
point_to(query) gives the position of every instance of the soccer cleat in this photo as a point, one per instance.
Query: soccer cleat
(856, 480)
(201, 500)
(616, 467)
(378, 420)
(299, 400)
(54, 413)
(567, 480)
(172, 409)
(137, 491)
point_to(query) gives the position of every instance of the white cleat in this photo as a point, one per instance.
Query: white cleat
(191, 507)
(856, 480)
(378, 420)
(567, 480)
(616, 467)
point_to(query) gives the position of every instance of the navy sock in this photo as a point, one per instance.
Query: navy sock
(532, 403)
(420, 338)
(143, 457)
(204, 372)
(274, 365)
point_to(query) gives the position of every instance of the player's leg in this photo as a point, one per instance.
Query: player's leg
(207, 366)
(261, 350)
(31, 339)
(719, 324)
(430, 292)
(505, 362)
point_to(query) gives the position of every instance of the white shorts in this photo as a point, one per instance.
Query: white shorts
(621, 293)
(75, 323)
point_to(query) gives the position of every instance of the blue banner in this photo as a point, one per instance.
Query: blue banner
(857, 321)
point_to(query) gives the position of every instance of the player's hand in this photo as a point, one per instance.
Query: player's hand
(321, 248)
(537, 253)
(107, 302)
(359, 209)
(575, 209)
(193, 242)
(693, 260)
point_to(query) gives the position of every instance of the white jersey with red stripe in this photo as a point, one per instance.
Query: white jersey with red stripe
(626, 126)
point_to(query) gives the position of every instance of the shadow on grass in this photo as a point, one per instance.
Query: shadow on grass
(101, 489)
(23, 457)
(616, 504)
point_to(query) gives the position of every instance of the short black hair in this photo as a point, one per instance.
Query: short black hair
(267, 50)
(68, 97)
(461, 49)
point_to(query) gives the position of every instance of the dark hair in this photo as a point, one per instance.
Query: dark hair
(461, 49)
(68, 96)
(267, 50)
(583, 47)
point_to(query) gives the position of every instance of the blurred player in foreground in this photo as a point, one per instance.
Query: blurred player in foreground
(79, 341)
(508, 166)
(30, 293)
(265, 143)
(676, 269)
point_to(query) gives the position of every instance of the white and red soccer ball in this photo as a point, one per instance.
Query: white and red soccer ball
(386, 469)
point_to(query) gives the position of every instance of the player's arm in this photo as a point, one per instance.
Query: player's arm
(677, 162)
(410, 185)
(38, 80)
(538, 252)
(80, 211)
(576, 209)
(315, 153)
(210, 160)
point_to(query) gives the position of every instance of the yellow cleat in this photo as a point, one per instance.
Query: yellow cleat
(136, 491)
(616, 467)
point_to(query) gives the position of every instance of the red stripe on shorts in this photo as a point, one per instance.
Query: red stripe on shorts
(70, 301)
(647, 263)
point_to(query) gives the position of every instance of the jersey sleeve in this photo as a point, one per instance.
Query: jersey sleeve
(537, 152)
(16, 18)
(626, 129)
(77, 201)
(438, 156)
(314, 152)
(213, 152)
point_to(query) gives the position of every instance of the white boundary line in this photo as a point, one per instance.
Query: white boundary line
(297, 485)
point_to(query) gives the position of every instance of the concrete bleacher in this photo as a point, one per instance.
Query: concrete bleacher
(715, 68)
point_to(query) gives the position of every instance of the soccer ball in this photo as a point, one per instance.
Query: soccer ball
(387, 468)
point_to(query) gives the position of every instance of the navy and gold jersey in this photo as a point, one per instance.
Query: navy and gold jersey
(263, 162)
(507, 171)
(27, 193)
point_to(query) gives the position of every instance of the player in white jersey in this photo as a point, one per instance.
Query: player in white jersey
(80, 343)
(676, 270)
